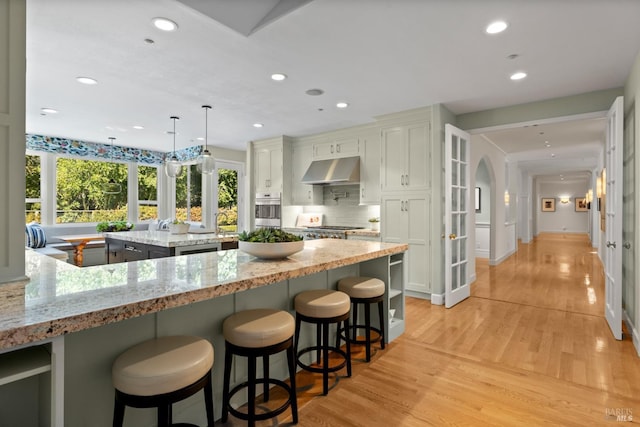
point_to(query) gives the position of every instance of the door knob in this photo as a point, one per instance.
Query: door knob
(611, 244)
(452, 236)
(627, 245)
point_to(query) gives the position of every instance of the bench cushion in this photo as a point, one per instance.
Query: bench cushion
(36, 237)
(52, 252)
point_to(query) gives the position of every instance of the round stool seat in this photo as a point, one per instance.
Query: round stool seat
(361, 287)
(162, 365)
(322, 303)
(258, 328)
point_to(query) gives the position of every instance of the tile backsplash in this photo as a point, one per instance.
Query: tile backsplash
(340, 208)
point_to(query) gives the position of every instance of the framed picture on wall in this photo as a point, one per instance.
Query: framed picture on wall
(478, 199)
(581, 204)
(548, 204)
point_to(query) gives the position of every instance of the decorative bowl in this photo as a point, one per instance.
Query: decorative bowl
(178, 228)
(271, 250)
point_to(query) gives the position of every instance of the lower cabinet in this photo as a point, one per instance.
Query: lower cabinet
(406, 218)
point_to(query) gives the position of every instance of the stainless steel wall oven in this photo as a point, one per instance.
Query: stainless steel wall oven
(267, 210)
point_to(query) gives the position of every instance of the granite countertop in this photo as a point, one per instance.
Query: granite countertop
(60, 298)
(168, 240)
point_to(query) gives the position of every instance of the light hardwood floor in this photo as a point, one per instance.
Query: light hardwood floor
(529, 347)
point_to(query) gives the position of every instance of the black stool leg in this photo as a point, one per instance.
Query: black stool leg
(227, 380)
(348, 342)
(355, 321)
(367, 330)
(265, 376)
(296, 342)
(252, 391)
(318, 341)
(118, 412)
(291, 359)
(208, 400)
(382, 328)
(325, 357)
(164, 415)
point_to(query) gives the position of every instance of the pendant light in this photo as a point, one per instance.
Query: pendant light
(172, 167)
(206, 162)
(111, 187)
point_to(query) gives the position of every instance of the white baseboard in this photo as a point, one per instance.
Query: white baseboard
(416, 294)
(635, 336)
(482, 253)
(437, 299)
(472, 277)
(502, 258)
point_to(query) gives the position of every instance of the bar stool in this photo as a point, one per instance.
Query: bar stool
(252, 334)
(161, 371)
(323, 307)
(367, 291)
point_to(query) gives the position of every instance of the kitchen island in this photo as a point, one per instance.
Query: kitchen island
(129, 246)
(85, 317)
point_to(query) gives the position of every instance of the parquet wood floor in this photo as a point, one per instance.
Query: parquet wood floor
(530, 347)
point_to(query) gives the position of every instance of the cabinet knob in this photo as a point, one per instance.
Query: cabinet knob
(452, 236)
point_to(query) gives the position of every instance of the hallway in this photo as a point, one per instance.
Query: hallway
(530, 347)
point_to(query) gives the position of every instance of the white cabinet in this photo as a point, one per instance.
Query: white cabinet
(405, 157)
(303, 194)
(340, 147)
(370, 169)
(393, 272)
(268, 167)
(406, 218)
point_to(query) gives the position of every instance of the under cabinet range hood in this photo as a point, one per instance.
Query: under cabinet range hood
(341, 171)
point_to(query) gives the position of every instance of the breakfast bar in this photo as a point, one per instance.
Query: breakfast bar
(83, 318)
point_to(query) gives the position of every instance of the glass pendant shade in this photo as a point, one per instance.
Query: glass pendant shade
(172, 166)
(206, 163)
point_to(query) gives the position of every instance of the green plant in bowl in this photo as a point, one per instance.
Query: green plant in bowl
(268, 235)
(269, 243)
(107, 226)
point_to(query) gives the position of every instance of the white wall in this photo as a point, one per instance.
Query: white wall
(496, 159)
(565, 219)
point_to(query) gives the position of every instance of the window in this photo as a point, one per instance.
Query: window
(147, 193)
(189, 194)
(33, 202)
(228, 199)
(81, 192)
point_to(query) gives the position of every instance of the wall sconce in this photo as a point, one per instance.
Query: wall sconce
(506, 197)
(565, 199)
(599, 187)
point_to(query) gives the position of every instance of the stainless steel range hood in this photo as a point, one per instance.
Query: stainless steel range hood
(333, 171)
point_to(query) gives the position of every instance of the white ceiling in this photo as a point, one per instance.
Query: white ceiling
(380, 56)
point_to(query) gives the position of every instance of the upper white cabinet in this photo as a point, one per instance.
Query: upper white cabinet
(342, 147)
(303, 194)
(370, 169)
(268, 167)
(405, 157)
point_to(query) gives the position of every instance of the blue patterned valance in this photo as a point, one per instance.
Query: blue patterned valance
(52, 144)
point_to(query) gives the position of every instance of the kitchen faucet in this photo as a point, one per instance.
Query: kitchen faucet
(217, 228)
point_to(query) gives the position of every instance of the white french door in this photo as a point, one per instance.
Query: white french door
(456, 218)
(613, 218)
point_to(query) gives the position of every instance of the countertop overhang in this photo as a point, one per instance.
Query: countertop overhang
(60, 298)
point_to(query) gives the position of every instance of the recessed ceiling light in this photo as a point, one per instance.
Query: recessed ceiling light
(164, 24)
(199, 138)
(86, 80)
(278, 77)
(342, 104)
(496, 27)
(49, 110)
(314, 92)
(518, 76)
(258, 125)
(138, 127)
